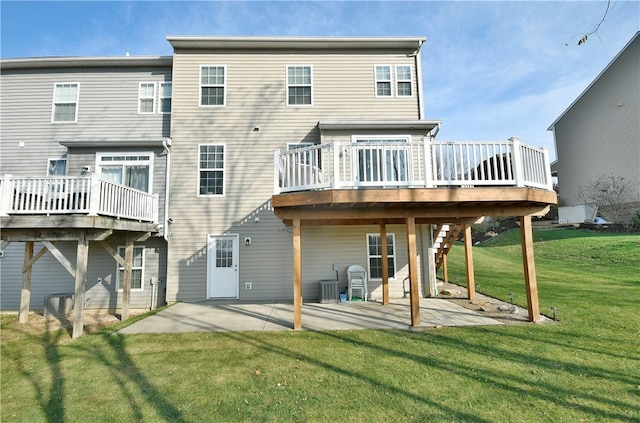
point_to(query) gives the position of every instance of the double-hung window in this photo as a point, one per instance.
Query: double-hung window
(57, 167)
(374, 255)
(212, 85)
(65, 102)
(403, 81)
(383, 81)
(299, 85)
(165, 94)
(147, 98)
(130, 169)
(137, 269)
(211, 169)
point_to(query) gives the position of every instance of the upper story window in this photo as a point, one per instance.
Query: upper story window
(403, 81)
(211, 169)
(131, 169)
(57, 167)
(165, 94)
(383, 81)
(65, 102)
(299, 85)
(212, 85)
(388, 77)
(147, 97)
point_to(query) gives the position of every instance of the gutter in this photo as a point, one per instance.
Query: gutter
(166, 144)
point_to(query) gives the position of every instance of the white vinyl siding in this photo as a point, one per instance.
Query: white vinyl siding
(65, 102)
(374, 256)
(213, 90)
(383, 80)
(137, 269)
(299, 85)
(211, 170)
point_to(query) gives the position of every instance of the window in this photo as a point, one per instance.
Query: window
(137, 269)
(403, 81)
(383, 81)
(65, 102)
(211, 170)
(212, 85)
(147, 97)
(383, 159)
(374, 255)
(57, 167)
(299, 85)
(165, 94)
(130, 169)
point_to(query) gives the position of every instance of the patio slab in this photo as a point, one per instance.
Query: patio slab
(235, 316)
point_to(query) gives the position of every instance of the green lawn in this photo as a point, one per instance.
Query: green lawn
(584, 368)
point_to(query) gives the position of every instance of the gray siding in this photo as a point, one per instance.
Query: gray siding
(107, 115)
(343, 89)
(600, 133)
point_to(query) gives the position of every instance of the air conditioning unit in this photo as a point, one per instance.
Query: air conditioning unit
(58, 304)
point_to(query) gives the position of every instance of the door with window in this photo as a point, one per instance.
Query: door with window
(383, 160)
(222, 266)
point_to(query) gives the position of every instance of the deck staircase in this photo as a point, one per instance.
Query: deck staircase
(443, 238)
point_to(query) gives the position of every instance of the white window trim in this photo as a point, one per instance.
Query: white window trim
(119, 268)
(376, 80)
(99, 163)
(161, 97)
(224, 172)
(395, 266)
(53, 103)
(398, 80)
(224, 86)
(153, 97)
(286, 100)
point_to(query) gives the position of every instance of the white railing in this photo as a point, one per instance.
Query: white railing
(412, 164)
(89, 195)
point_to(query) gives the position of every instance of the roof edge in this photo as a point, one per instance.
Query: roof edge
(379, 124)
(78, 61)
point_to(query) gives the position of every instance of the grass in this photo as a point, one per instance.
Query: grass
(585, 368)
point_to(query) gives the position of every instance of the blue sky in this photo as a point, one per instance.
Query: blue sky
(491, 69)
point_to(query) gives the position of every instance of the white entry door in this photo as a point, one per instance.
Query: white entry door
(222, 266)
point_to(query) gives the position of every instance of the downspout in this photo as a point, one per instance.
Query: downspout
(166, 144)
(418, 59)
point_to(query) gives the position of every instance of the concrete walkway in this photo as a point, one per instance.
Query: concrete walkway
(217, 316)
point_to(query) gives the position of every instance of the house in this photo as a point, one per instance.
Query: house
(288, 160)
(599, 133)
(84, 167)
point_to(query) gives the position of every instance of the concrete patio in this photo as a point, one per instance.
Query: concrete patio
(221, 316)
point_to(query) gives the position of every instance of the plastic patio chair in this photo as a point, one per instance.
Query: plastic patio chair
(357, 277)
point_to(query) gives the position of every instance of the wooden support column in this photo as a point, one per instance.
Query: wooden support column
(385, 263)
(445, 269)
(297, 275)
(468, 258)
(414, 297)
(126, 288)
(25, 293)
(82, 258)
(531, 283)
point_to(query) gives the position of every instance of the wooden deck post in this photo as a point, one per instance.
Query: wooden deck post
(385, 264)
(445, 269)
(128, 271)
(82, 257)
(468, 258)
(531, 283)
(297, 275)
(413, 271)
(25, 293)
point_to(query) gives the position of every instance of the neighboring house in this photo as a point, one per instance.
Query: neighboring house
(288, 160)
(599, 133)
(77, 134)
